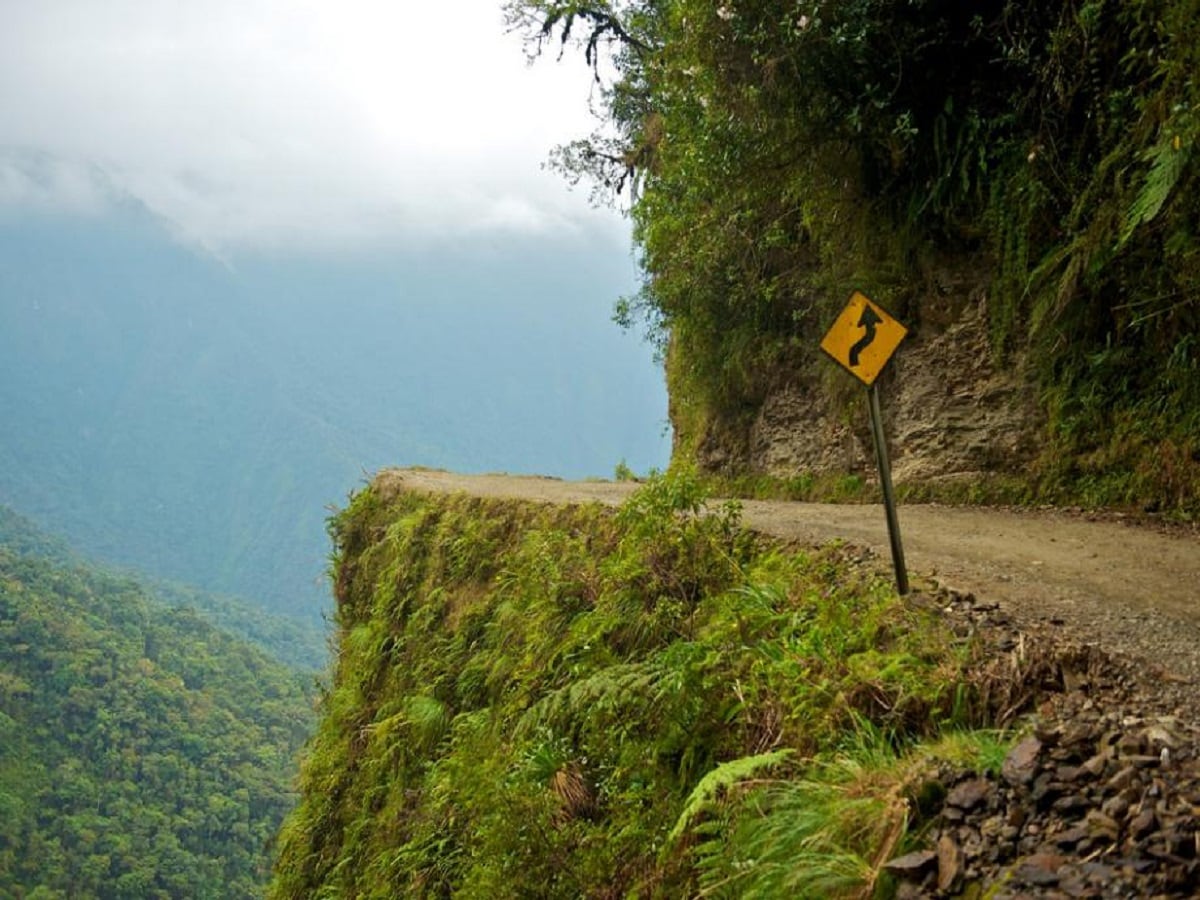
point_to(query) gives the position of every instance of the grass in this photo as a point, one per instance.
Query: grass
(565, 702)
(829, 828)
(1160, 480)
(843, 487)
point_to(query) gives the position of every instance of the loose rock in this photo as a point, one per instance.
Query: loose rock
(1100, 798)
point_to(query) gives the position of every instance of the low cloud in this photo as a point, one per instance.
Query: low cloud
(31, 182)
(274, 124)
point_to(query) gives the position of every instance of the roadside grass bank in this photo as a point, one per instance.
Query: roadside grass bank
(1075, 489)
(572, 701)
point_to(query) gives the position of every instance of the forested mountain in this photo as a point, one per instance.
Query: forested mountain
(143, 752)
(1018, 181)
(196, 418)
(295, 642)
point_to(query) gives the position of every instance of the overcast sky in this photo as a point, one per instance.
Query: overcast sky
(288, 124)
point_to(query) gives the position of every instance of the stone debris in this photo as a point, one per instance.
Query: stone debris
(1101, 797)
(1021, 764)
(912, 864)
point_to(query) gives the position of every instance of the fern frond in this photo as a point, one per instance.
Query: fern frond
(604, 692)
(720, 779)
(428, 718)
(1168, 159)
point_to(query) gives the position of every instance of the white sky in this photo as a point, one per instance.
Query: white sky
(294, 124)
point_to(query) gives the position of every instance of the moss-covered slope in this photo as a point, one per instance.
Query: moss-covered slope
(570, 701)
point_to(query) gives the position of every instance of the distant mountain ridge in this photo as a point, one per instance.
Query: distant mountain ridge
(296, 643)
(198, 420)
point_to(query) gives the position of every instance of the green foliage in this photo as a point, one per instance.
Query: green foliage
(785, 153)
(143, 753)
(622, 472)
(295, 642)
(826, 834)
(720, 780)
(826, 828)
(834, 487)
(543, 701)
(21, 537)
(980, 750)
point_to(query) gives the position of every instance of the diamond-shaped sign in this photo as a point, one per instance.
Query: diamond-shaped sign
(863, 338)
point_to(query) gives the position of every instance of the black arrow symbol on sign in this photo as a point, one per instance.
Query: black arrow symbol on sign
(868, 320)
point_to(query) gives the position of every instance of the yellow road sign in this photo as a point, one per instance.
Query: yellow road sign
(863, 338)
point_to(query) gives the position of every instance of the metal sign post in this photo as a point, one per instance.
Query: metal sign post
(889, 496)
(862, 340)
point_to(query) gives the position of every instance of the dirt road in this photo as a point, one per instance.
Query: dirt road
(1133, 590)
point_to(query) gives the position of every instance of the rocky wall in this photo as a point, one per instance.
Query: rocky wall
(951, 410)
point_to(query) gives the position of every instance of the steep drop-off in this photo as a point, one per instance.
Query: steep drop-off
(574, 701)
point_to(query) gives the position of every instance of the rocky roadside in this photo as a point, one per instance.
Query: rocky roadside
(1100, 799)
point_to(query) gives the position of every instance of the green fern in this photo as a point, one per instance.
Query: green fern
(720, 780)
(596, 697)
(824, 836)
(428, 719)
(1168, 159)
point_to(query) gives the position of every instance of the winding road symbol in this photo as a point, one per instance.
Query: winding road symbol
(863, 338)
(868, 320)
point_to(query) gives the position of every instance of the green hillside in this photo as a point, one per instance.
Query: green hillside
(777, 155)
(143, 752)
(575, 702)
(295, 642)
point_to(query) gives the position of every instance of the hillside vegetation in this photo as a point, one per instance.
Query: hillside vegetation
(143, 753)
(577, 702)
(295, 642)
(778, 154)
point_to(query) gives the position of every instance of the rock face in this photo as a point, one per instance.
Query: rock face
(951, 411)
(797, 430)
